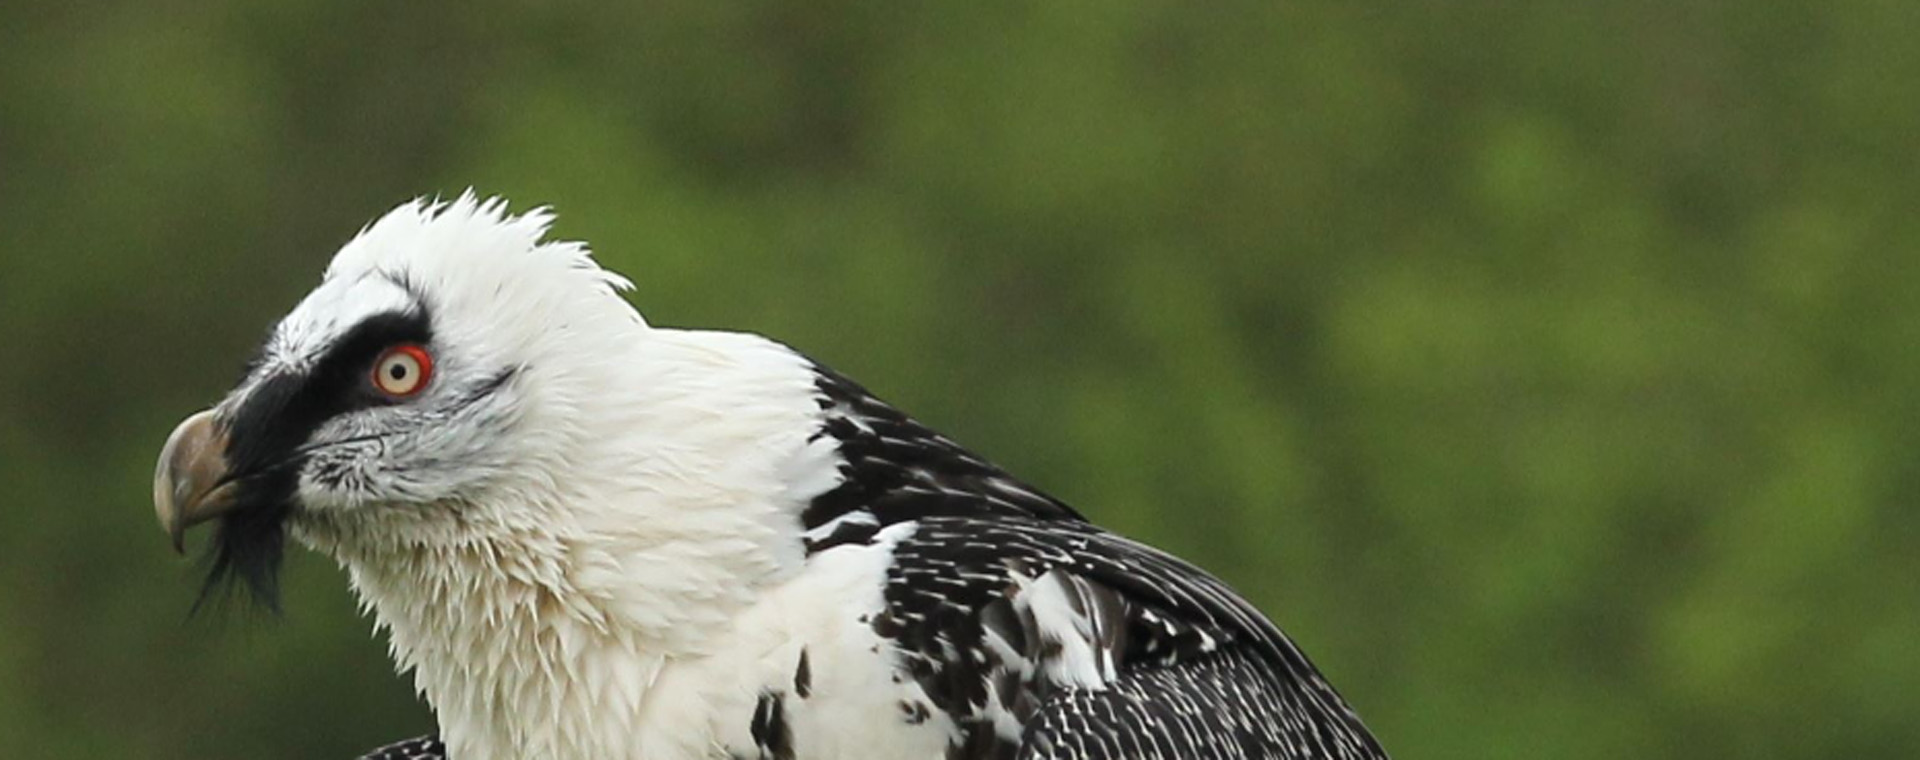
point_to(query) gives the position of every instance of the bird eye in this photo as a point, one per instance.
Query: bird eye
(403, 370)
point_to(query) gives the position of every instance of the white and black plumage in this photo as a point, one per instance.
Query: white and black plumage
(589, 537)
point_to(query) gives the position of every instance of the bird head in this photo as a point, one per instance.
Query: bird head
(450, 368)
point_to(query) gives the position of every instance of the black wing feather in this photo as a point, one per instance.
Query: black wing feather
(423, 748)
(1199, 672)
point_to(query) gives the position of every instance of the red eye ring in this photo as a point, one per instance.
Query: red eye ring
(402, 371)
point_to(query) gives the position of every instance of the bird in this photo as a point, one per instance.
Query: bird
(588, 536)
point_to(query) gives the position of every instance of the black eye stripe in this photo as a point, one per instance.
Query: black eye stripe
(360, 346)
(284, 410)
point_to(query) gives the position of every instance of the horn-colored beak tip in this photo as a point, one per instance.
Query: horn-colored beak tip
(190, 483)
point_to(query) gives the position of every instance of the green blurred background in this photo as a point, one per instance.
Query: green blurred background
(1548, 372)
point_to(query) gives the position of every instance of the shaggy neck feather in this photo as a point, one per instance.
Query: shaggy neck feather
(568, 589)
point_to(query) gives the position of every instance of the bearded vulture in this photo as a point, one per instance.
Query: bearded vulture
(590, 538)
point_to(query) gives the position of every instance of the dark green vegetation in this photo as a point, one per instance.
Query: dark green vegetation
(1549, 373)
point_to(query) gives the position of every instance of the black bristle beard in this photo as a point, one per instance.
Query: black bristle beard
(249, 545)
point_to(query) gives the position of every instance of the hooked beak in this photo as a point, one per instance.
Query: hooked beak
(192, 483)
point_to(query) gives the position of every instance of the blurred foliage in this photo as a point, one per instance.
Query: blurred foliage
(1547, 369)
